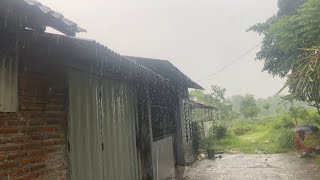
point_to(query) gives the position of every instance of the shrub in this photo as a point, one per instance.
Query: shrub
(242, 129)
(311, 141)
(285, 138)
(221, 132)
(196, 136)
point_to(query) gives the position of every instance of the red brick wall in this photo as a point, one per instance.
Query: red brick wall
(33, 140)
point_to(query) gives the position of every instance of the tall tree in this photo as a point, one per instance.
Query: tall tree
(248, 107)
(290, 47)
(296, 112)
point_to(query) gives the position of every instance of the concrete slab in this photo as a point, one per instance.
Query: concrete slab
(254, 166)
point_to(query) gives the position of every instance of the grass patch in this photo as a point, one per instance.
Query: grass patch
(317, 160)
(257, 139)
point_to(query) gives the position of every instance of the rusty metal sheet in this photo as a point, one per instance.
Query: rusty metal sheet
(8, 83)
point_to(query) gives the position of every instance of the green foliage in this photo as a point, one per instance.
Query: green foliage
(216, 97)
(196, 136)
(290, 47)
(230, 113)
(221, 132)
(242, 128)
(284, 138)
(313, 118)
(296, 112)
(267, 135)
(317, 160)
(312, 141)
(266, 106)
(210, 141)
(216, 133)
(304, 82)
(288, 7)
(269, 107)
(248, 107)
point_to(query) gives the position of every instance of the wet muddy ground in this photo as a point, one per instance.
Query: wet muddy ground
(243, 167)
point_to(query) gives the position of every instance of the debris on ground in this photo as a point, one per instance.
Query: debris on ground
(201, 157)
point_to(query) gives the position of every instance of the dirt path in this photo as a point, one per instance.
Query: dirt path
(243, 167)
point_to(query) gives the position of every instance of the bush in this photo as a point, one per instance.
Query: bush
(196, 136)
(221, 132)
(242, 129)
(312, 141)
(285, 138)
(283, 121)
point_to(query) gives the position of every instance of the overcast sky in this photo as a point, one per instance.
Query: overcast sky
(198, 36)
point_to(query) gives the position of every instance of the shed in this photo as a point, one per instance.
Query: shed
(68, 106)
(194, 109)
(72, 108)
(167, 115)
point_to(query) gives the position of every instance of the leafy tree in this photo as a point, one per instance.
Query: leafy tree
(296, 112)
(266, 106)
(288, 7)
(249, 108)
(290, 47)
(216, 97)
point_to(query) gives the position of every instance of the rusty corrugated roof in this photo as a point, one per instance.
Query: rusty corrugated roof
(34, 15)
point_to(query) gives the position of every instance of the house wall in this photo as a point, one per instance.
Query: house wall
(102, 128)
(144, 131)
(33, 139)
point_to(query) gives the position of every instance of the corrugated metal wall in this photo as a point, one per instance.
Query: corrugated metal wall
(8, 83)
(84, 128)
(162, 159)
(103, 119)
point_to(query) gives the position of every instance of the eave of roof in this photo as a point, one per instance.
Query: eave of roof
(89, 51)
(199, 105)
(167, 70)
(34, 15)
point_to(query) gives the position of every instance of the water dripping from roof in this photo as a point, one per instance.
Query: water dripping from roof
(35, 35)
(57, 40)
(20, 22)
(90, 75)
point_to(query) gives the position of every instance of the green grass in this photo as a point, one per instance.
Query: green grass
(260, 139)
(317, 160)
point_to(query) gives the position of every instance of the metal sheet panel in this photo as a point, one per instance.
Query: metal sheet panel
(84, 128)
(119, 131)
(8, 83)
(163, 159)
(103, 120)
